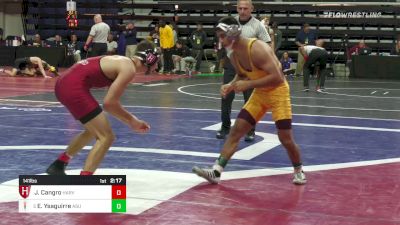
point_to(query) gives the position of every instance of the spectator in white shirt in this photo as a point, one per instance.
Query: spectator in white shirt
(112, 45)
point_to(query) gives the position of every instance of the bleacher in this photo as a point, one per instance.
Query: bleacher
(47, 18)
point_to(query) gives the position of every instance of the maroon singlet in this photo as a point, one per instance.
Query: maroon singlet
(73, 88)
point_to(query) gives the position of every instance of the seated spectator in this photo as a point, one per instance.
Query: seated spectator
(182, 58)
(73, 51)
(37, 41)
(30, 66)
(356, 49)
(396, 49)
(112, 45)
(198, 40)
(57, 42)
(287, 64)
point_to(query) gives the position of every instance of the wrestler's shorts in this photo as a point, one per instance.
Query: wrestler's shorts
(78, 100)
(276, 100)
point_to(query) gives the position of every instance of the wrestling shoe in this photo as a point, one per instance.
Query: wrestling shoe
(299, 178)
(57, 168)
(211, 175)
(54, 70)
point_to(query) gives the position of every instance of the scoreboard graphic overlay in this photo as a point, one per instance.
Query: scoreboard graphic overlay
(72, 194)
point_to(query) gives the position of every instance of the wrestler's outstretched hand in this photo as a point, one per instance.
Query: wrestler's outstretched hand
(139, 126)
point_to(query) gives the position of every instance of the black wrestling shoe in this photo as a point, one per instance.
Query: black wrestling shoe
(57, 168)
(221, 134)
(250, 136)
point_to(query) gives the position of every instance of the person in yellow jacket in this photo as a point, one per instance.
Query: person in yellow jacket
(167, 45)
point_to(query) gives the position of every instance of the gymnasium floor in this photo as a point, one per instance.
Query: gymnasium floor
(350, 141)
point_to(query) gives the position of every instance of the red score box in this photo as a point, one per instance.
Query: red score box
(118, 191)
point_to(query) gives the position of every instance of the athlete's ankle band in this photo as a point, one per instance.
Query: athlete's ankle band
(297, 165)
(222, 161)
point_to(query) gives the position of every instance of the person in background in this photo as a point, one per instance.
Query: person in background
(37, 41)
(314, 54)
(277, 36)
(167, 45)
(197, 40)
(130, 39)
(112, 45)
(305, 36)
(2, 42)
(121, 44)
(396, 48)
(182, 58)
(73, 51)
(57, 42)
(175, 31)
(154, 36)
(97, 37)
(265, 21)
(31, 66)
(286, 63)
(220, 52)
(356, 49)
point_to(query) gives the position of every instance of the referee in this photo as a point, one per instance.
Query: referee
(251, 28)
(97, 37)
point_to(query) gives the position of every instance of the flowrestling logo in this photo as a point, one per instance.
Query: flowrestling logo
(332, 14)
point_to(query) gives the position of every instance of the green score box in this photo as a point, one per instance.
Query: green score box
(119, 205)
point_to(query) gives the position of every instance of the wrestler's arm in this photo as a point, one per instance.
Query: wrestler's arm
(112, 102)
(227, 88)
(38, 61)
(12, 72)
(87, 43)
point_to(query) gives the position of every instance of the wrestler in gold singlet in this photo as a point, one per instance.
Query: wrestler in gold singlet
(276, 100)
(258, 68)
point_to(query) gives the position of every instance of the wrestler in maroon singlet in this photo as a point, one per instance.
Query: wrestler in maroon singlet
(73, 88)
(73, 91)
